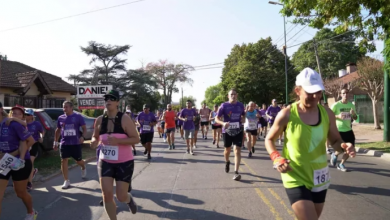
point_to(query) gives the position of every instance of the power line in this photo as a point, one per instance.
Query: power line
(208, 65)
(209, 68)
(296, 33)
(71, 16)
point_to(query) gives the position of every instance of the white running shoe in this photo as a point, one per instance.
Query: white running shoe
(84, 173)
(32, 216)
(66, 184)
(280, 142)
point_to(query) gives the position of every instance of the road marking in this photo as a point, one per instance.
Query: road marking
(268, 203)
(274, 194)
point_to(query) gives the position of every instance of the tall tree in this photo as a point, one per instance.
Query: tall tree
(168, 75)
(371, 80)
(107, 64)
(257, 72)
(333, 54)
(334, 85)
(211, 93)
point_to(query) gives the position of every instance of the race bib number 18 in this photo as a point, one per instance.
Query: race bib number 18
(321, 176)
(109, 152)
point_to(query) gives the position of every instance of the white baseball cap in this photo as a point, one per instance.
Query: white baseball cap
(310, 81)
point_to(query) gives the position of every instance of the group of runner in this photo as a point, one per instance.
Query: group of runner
(307, 126)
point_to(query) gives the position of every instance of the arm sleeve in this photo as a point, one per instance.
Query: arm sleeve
(220, 111)
(58, 123)
(21, 131)
(81, 120)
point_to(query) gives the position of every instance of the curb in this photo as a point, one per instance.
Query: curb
(375, 153)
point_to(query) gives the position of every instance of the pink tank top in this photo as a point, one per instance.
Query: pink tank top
(115, 154)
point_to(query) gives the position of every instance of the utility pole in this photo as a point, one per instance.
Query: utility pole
(181, 101)
(386, 109)
(318, 66)
(285, 57)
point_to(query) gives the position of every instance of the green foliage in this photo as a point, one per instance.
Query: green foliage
(219, 100)
(176, 108)
(185, 98)
(211, 93)
(333, 54)
(92, 112)
(257, 72)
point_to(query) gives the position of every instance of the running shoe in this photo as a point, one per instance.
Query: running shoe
(250, 154)
(194, 146)
(188, 151)
(32, 216)
(84, 173)
(205, 137)
(35, 172)
(29, 186)
(333, 159)
(132, 205)
(169, 147)
(66, 184)
(145, 152)
(341, 167)
(237, 177)
(192, 152)
(213, 142)
(17, 164)
(149, 157)
(227, 167)
(173, 146)
(280, 142)
(217, 145)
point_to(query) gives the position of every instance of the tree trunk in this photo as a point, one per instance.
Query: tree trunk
(377, 124)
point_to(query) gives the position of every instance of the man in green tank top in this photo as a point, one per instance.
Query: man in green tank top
(344, 111)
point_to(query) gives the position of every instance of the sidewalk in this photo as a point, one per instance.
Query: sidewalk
(365, 133)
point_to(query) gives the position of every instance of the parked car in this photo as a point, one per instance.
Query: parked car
(42, 117)
(54, 113)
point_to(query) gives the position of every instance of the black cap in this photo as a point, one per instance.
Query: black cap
(112, 93)
(146, 106)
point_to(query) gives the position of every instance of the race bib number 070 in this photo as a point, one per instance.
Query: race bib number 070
(109, 152)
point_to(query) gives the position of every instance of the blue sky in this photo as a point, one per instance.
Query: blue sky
(196, 32)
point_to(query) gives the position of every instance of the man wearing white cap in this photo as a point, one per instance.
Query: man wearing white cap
(304, 166)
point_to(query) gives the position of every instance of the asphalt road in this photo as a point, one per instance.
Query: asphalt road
(175, 185)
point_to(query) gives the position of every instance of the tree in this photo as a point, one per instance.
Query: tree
(333, 54)
(220, 99)
(257, 72)
(167, 75)
(211, 93)
(371, 80)
(368, 18)
(111, 65)
(185, 98)
(334, 85)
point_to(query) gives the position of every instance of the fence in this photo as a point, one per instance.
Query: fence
(364, 110)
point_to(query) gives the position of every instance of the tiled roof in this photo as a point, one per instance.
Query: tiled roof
(348, 78)
(18, 75)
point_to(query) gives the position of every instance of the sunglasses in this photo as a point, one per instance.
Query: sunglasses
(109, 98)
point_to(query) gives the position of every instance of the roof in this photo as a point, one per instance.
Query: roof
(18, 75)
(348, 78)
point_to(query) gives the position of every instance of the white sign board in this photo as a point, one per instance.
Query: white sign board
(97, 91)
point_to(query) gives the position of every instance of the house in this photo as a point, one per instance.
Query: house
(30, 87)
(355, 95)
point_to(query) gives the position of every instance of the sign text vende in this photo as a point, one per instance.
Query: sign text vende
(92, 91)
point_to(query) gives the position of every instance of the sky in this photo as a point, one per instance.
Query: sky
(194, 32)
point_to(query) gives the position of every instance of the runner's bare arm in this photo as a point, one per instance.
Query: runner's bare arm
(334, 138)
(84, 127)
(277, 129)
(96, 130)
(130, 130)
(211, 117)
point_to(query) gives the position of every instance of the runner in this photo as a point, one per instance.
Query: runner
(181, 124)
(131, 115)
(68, 126)
(251, 119)
(344, 111)
(115, 133)
(215, 126)
(304, 168)
(38, 133)
(169, 118)
(197, 122)
(187, 116)
(271, 113)
(204, 116)
(14, 137)
(158, 125)
(162, 123)
(233, 113)
(263, 120)
(147, 121)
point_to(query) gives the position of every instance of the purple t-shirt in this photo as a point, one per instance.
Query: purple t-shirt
(35, 128)
(179, 122)
(272, 111)
(190, 115)
(11, 136)
(232, 113)
(70, 128)
(145, 120)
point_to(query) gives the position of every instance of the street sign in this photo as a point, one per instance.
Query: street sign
(96, 91)
(91, 103)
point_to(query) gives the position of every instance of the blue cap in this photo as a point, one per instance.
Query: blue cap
(29, 112)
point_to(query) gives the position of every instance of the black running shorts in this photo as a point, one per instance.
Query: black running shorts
(204, 123)
(252, 132)
(118, 171)
(74, 151)
(348, 137)
(35, 149)
(232, 140)
(216, 127)
(146, 138)
(302, 193)
(19, 175)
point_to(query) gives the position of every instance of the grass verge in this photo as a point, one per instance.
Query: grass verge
(50, 161)
(379, 146)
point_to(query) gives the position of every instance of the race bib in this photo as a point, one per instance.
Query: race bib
(252, 125)
(69, 132)
(109, 152)
(5, 162)
(346, 115)
(234, 125)
(189, 118)
(146, 128)
(321, 176)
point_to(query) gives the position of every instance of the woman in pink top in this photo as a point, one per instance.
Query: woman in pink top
(113, 135)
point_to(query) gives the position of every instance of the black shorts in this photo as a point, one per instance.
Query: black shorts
(74, 151)
(146, 137)
(119, 171)
(162, 125)
(35, 149)
(302, 193)
(19, 175)
(348, 137)
(204, 123)
(169, 130)
(263, 122)
(216, 126)
(232, 140)
(252, 132)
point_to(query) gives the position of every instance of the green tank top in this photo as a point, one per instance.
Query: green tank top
(304, 146)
